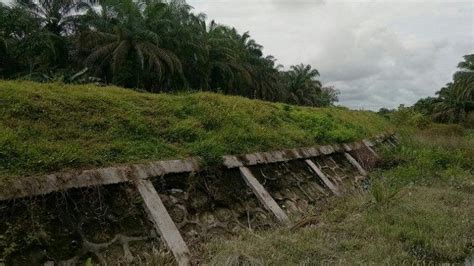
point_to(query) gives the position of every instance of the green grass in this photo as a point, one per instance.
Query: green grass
(52, 127)
(442, 155)
(420, 209)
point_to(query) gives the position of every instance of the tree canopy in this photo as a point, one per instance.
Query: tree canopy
(152, 45)
(455, 101)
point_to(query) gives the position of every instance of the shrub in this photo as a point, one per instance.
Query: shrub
(407, 116)
(419, 121)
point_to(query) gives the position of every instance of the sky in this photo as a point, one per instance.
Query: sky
(376, 53)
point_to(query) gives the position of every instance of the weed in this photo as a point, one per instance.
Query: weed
(419, 212)
(52, 127)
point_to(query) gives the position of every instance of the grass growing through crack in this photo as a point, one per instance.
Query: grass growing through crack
(420, 209)
(51, 127)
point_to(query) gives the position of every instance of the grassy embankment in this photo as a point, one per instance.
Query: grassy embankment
(52, 127)
(420, 208)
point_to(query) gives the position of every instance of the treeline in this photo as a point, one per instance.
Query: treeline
(454, 103)
(152, 45)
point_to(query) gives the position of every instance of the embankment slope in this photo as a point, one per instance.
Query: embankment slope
(53, 127)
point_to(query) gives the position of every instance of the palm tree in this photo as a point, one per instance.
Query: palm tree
(56, 19)
(449, 108)
(214, 55)
(249, 63)
(157, 45)
(464, 80)
(26, 46)
(55, 16)
(303, 87)
(4, 39)
(468, 63)
(268, 81)
(456, 99)
(219, 57)
(130, 48)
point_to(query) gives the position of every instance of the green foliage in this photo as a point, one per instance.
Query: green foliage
(129, 49)
(88, 262)
(420, 121)
(386, 112)
(408, 116)
(329, 95)
(157, 46)
(427, 225)
(455, 101)
(51, 127)
(420, 212)
(426, 105)
(431, 156)
(303, 88)
(381, 193)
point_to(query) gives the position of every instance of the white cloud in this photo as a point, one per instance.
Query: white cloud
(378, 53)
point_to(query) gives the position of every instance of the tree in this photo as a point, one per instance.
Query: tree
(27, 47)
(5, 40)
(268, 81)
(153, 45)
(218, 58)
(56, 20)
(328, 96)
(127, 47)
(303, 87)
(426, 105)
(464, 81)
(55, 16)
(449, 107)
(456, 99)
(385, 112)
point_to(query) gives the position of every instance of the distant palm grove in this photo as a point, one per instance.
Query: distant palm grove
(152, 45)
(454, 103)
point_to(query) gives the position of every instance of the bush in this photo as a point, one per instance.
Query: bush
(419, 121)
(407, 116)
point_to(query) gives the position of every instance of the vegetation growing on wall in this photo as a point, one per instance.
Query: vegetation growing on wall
(420, 205)
(406, 218)
(49, 127)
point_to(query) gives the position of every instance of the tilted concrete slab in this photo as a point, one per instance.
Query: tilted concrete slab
(263, 196)
(41, 185)
(368, 143)
(162, 221)
(334, 189)
(369, 147)
(355, 164)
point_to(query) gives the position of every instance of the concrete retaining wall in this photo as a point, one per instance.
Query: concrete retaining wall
(98, 213)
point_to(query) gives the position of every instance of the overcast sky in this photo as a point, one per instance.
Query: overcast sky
(377, 53)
